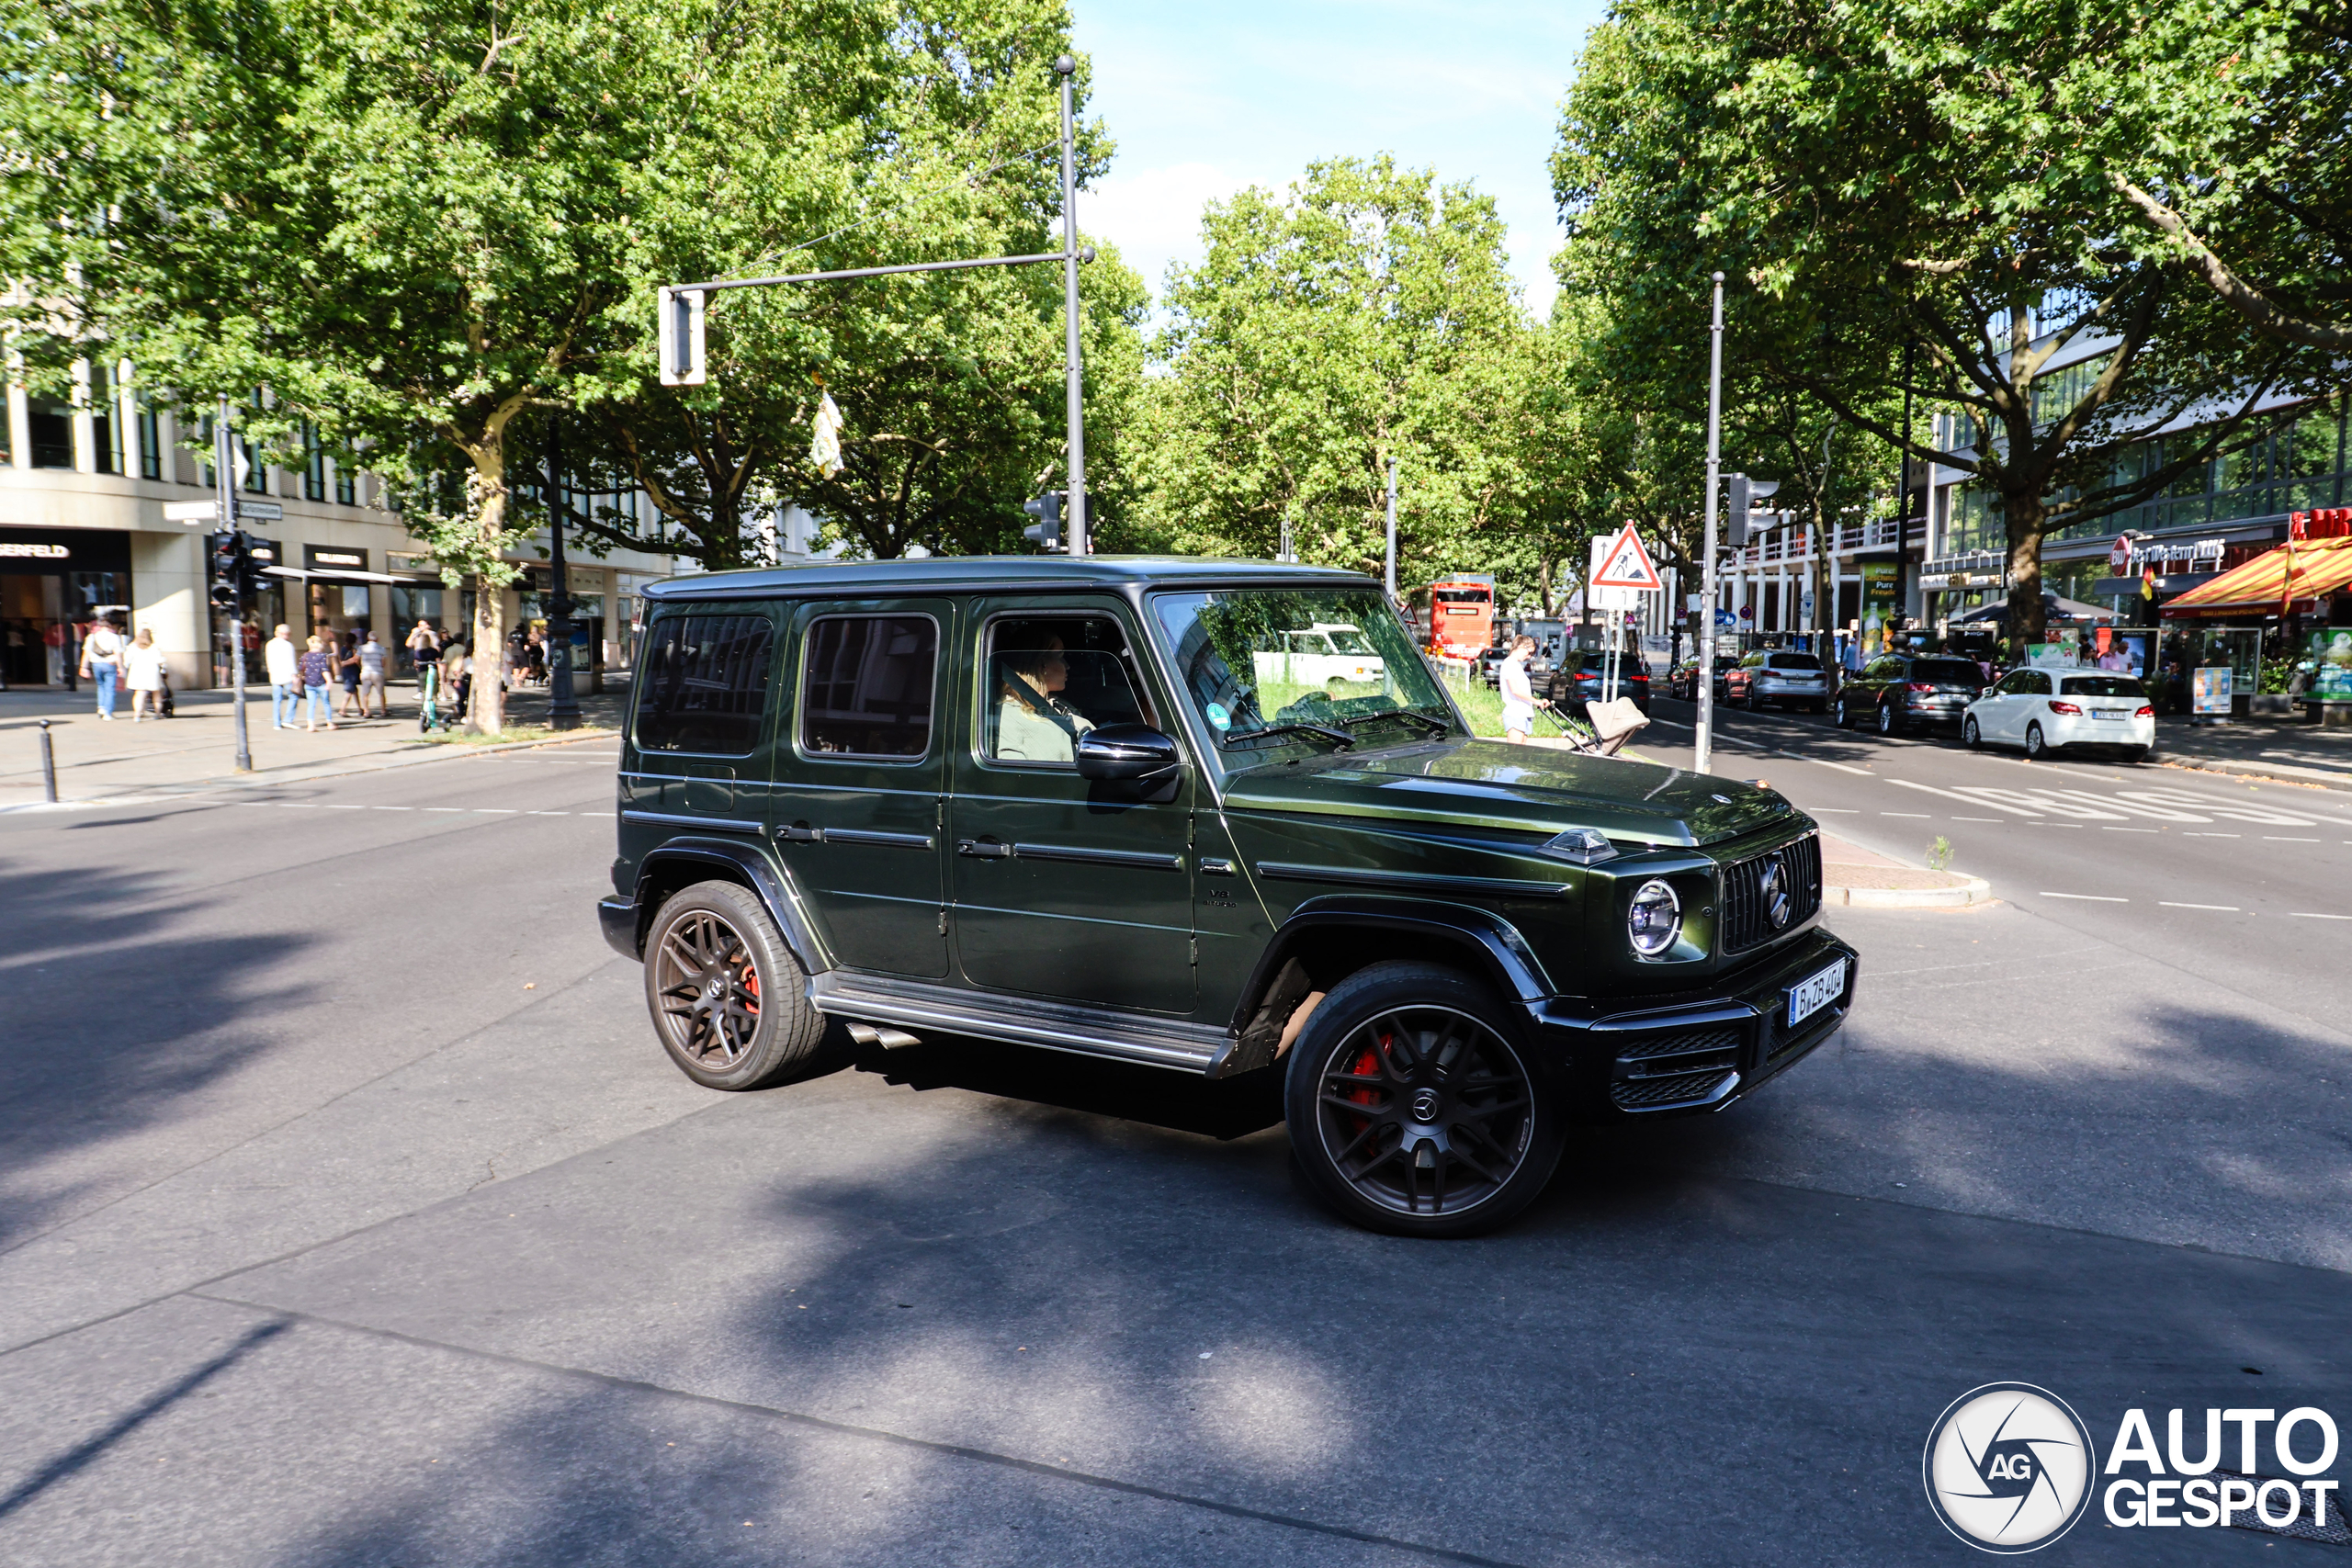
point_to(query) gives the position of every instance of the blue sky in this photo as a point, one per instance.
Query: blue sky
(1207, 98)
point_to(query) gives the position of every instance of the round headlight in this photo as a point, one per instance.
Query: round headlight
(1654, 919)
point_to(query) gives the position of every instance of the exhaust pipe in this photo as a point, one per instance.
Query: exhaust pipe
(888, 1039)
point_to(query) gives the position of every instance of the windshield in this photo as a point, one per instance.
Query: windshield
(2104, 686)
(1237, 655)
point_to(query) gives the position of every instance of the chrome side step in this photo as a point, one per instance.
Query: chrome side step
(1024, 1020)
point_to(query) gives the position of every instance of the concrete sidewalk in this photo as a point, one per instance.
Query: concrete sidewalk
(2287, 749)
(196, 750)
(1851, 875)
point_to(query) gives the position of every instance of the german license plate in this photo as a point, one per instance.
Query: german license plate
(1809, 997)
(2110, 713)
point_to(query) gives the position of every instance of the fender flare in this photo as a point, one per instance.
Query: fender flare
(1505, 959)
(773, 886)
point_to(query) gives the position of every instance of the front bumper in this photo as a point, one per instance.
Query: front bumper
(1688, 1052)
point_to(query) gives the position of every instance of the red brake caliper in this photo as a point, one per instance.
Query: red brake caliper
(751, 987)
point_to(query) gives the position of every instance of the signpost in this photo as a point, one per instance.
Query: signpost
(1621, 574)
(225, 506)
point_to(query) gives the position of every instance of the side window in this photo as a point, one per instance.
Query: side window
(2037, 682)
(706, 684)
(869, 684)
(1051, 679)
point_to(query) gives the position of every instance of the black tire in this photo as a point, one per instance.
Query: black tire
(1456, 1134)
(729, 1001)
(2036, 747)
(1970, 736)
(1890, 719)
(2137, 754)
(1755, 701)
(1843, 716)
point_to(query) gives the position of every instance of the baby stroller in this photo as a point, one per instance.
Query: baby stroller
(1612, 725)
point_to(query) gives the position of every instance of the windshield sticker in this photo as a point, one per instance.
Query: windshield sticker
(1219, 717)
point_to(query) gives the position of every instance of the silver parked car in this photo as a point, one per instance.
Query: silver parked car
(1791, 680)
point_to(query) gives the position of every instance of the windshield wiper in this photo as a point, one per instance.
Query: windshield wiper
(1437, 725)
(1337, 736)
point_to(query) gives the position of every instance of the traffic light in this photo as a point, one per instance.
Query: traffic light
(1046, 532)
(223, 558)
(250, 580)
(678, 318)
(1745, 493)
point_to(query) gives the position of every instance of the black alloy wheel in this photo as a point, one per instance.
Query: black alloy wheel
(1969, 734)
(1890, 720)
(1409, 1109)
(2035, 746)
(728, 999)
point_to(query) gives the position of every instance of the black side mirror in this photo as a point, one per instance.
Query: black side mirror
(1130, 754)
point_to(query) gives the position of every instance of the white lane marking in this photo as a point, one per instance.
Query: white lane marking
(2130, 830)
(2216, 836)
(1920, 815)
(2074, 825)
(494, 811)
(460, 810)
(297, 805)
(547, 814)
(2301, 915)
(1965, 800)
(331, 807)
(2225, 908)
(1842, 810)
(595, 814)
(2283, 839)
(1824, 763)
(392, 808)
(2086, 897)
(1980, 818)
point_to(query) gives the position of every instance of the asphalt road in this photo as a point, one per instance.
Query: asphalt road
(348, 1214)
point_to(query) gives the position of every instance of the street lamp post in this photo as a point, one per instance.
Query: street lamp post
(1706, 678)
(564, 706)
(1392, 528)
(1075, 518)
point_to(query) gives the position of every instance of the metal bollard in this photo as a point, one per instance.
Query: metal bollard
(47, 763)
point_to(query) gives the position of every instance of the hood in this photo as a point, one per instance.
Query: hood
(1492, 784)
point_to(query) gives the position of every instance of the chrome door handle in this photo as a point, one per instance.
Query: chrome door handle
(981, 849)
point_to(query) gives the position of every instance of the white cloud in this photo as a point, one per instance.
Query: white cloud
(1154, 215)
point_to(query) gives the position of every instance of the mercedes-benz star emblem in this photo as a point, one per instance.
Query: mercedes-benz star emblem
(1774, 886)
(1425, 1105)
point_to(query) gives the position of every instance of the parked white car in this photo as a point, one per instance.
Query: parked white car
(2056, 710)
(1324, 656)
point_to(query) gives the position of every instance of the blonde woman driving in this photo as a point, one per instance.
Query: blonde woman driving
(1033, 723)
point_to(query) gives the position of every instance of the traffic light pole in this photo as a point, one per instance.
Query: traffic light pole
(225, 490)
(1706, 674)
(680, 329)
(563, 704)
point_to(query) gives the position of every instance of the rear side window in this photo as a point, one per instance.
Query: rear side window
(869, 686)
(2104, 686)
(1948, 672)
(706, 684)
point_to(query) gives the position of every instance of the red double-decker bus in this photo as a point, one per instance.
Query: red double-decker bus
(1462, 616)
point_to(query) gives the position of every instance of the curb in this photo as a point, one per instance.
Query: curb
(1971, 891)
(151, 793)
(2274, 773)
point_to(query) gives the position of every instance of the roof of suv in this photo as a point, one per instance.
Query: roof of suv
(941, 573)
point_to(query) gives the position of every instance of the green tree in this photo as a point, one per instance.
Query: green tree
(1885, 176)
(1366, 316)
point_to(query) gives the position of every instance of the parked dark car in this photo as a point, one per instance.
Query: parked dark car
(1576, 679)
(1775, 677)
(1092, 805)
(1897, 692)
(1682, 681)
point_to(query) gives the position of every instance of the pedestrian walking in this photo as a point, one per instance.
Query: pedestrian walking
(317, 665)
(279, 661)
(102, 662)
(143, 664)
(1519, 693)
(371, 677)
(346, 665)
(423, 647)
(455, 679)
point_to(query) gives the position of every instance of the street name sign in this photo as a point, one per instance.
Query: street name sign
(191, 511)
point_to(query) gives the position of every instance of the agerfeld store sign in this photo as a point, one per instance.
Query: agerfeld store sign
(2010, 1468)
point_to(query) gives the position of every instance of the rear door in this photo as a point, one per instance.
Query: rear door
(1064, 888)
(858, 797)
(693, 757)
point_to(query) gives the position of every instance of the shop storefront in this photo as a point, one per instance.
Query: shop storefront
(53, 581)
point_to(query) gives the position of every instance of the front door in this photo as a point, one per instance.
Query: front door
(1064, 888)
(856, 801)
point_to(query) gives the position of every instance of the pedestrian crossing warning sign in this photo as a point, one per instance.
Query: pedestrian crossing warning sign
(1627, 565)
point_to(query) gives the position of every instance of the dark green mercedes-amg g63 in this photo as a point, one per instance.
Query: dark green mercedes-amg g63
(1213, 816)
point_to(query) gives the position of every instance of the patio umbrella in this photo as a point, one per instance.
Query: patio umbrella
(2054, 609)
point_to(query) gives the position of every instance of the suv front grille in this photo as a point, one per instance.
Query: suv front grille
(1684, 1089)
(1747, 910)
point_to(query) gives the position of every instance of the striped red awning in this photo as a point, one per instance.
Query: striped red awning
(2296, 572)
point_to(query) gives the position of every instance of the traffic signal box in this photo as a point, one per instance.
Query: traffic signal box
(1046, 532)
(236, 576)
